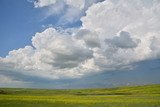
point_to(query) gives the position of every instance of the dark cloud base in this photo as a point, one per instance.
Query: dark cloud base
(144, 73)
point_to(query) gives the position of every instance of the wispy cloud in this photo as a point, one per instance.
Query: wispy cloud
(70, 11)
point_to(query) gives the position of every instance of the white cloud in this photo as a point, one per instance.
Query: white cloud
(63, 51)
(91, 38)
(55, 55)
(123, 40)
(110, 39)
(140, 18)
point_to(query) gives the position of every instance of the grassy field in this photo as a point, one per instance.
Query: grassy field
(136, 96)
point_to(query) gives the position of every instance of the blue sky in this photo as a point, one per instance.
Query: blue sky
(68, 42)
(20, 21)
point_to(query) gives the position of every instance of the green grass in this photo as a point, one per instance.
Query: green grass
(136, 96)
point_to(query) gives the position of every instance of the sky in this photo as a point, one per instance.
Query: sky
(79, 43)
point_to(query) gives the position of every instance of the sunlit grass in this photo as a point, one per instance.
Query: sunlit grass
(138, 96)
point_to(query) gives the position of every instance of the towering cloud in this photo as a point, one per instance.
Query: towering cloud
(124, 25)
(114, 35)
(55, 55)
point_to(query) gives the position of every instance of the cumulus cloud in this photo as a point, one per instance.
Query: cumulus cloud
(52, 53)
(110, 39)
(63, 51)
(123, 40)
(91, 38)
(139, 18)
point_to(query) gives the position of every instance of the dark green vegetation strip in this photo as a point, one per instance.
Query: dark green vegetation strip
(136, 96)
